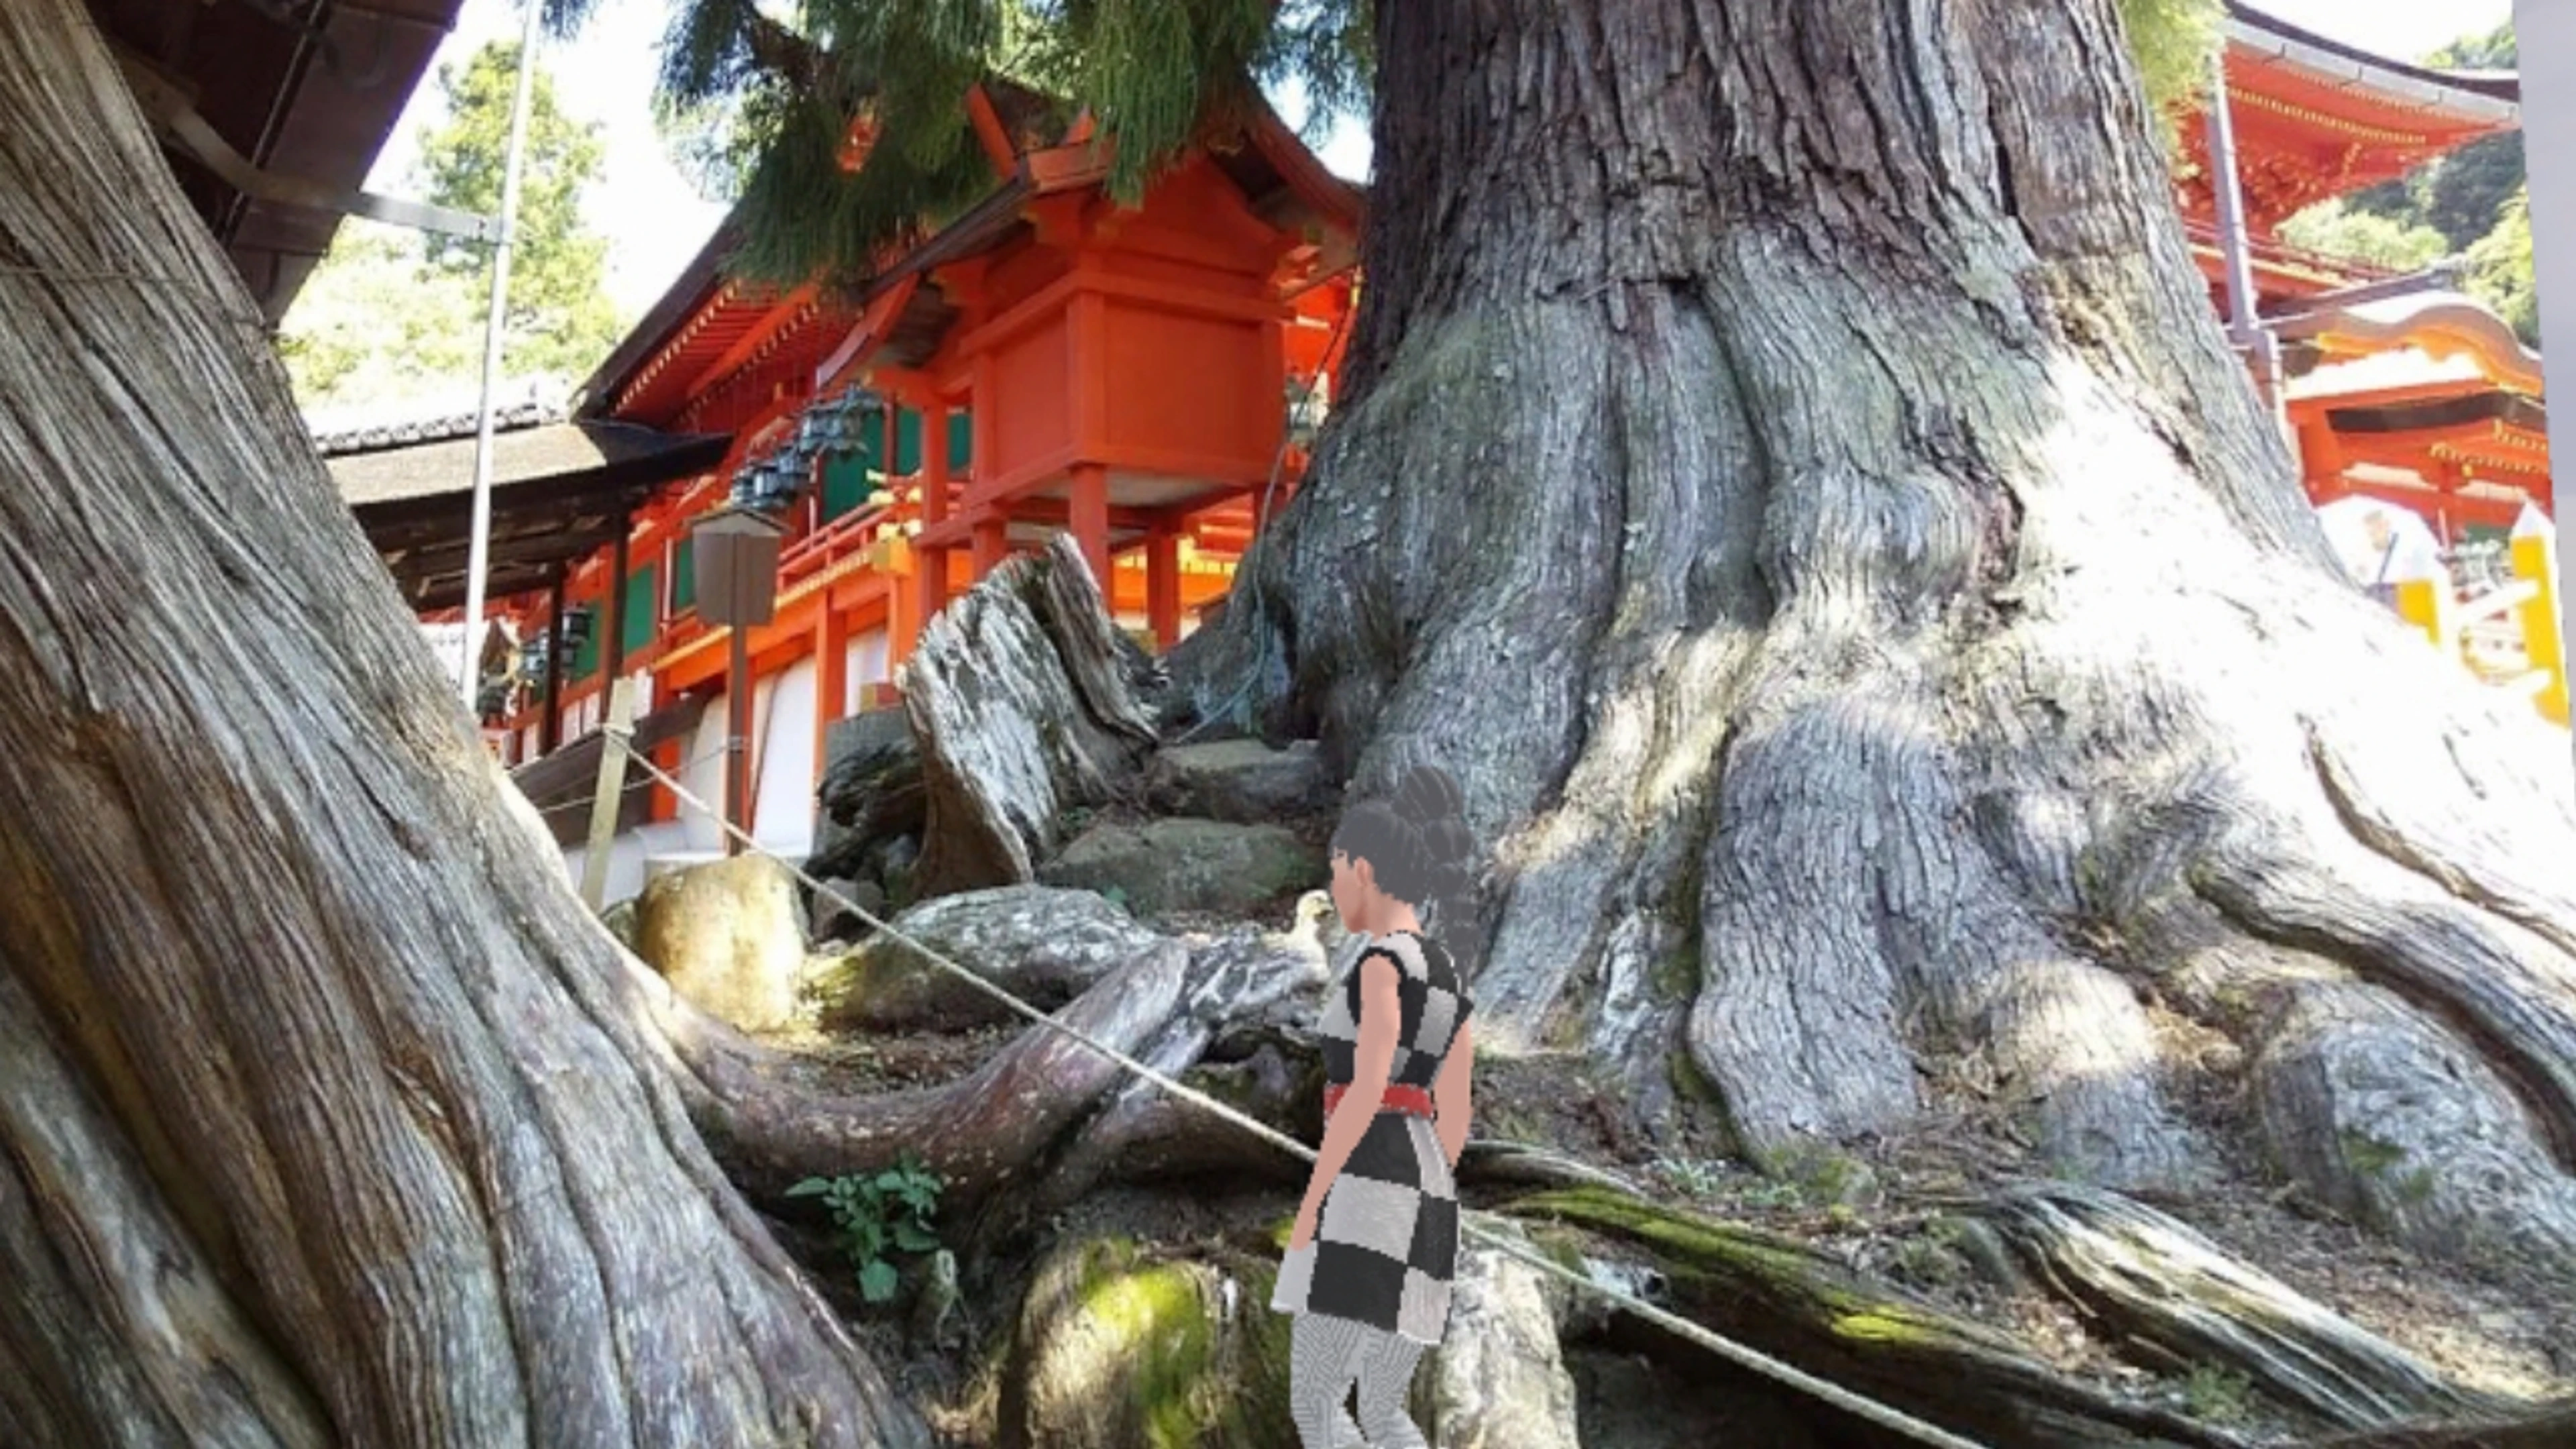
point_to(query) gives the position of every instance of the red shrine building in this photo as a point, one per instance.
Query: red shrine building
(1142, 377)
(1047, 361)
(2397, 388)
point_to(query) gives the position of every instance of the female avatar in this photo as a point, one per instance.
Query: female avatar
(1376, 1243)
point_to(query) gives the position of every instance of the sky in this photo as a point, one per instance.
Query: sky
(656, 221)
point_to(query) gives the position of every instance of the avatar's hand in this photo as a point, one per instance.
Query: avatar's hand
(1309, 1215)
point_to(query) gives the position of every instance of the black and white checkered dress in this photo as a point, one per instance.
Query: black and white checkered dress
(1386, 1247)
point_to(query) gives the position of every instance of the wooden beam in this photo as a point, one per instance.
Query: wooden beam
(990, 132)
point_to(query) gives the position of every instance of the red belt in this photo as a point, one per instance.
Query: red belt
(1396, 1099)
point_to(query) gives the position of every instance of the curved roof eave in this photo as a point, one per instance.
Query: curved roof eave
(2484, 98)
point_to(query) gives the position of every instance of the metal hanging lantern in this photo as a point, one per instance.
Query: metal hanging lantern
(736, 549)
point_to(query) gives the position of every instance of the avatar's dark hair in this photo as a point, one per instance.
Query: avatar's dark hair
(1419, 848)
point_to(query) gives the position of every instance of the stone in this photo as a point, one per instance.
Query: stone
(1119, 1345)
(727, 935)
(1169, 865)
(871, 790)
(1044, 945)
(1022, 697)
(1499, 1379)
(619, 918)
(834, 921)
(1242, 781)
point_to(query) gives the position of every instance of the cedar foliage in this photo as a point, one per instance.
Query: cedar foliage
(1152, 73)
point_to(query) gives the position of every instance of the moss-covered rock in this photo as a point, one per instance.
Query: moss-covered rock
(1183, 864)
(1119, 1345)
(1043, 945)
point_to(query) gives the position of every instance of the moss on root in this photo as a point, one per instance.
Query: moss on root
(1778, 1296)
(1706, 1259)
(1175, 1364)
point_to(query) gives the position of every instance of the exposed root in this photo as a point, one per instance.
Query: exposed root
(2550, 1428)
(2515, 1001)
(1787, 1300)
(979, 1132)
(2154, 1286)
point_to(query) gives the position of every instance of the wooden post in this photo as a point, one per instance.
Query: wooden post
(929, 584)
(738, 715)
(609, 802)
(992, 544)
(612, 650)
(934, 466)
(2542, 642)
(831, 674)
(1089, 516)
(551, 734)
(1163, 586)
(2428, 604)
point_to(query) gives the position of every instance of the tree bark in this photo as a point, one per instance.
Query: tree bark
(1789, 468)
(329, 1116)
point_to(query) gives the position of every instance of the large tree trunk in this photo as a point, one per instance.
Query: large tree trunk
(326, 1114)
(1790, 468)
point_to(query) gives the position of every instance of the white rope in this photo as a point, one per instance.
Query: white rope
(1859, 1405)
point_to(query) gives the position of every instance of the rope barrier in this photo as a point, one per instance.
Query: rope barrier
(567, 807)
(1824, 1390)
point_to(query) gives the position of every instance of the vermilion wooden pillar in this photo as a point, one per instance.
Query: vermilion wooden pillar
(1163, 586)
(929, 585)
(1088, 515)
(831, 676)
(934, 465)
(903, 609)
(992, 544)
(551, 734)
(612, 649)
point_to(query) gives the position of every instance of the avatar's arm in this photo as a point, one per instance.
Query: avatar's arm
(1381, 1018)
(1449, 1094)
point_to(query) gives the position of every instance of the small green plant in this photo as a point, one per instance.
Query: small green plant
(2219, 1395)
(1699, 1179)
(880, 1214)
(1117, 896)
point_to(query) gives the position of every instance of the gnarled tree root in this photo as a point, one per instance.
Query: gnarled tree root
(978, 1132)
(2551, 1428)
(1786, 1300)
(2153, 1284)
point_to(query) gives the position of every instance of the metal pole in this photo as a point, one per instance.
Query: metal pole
(2244, 325)
(2546, 40)
(738, 740)
(479, 548)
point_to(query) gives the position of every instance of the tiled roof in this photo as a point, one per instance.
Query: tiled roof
(516, 406)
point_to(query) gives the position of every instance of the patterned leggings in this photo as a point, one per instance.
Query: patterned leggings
(1324, 1355)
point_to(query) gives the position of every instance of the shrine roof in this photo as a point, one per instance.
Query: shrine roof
(560, 491)
(2477, 95)
(313, 96)
(2317, 119)
(705, 324)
